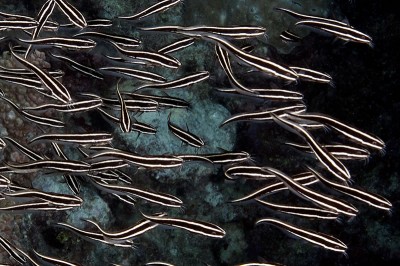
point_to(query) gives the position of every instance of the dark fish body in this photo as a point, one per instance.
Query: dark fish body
(62, 166)
(352, 133)
(72, 13)
(331, 163)
(343, 32)
(87, 138)
(158, 7)
(198, 227)
(59, 42)
(184, 135)
(317, 238)
(124, 41)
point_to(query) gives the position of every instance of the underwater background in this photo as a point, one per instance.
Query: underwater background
(365, 94)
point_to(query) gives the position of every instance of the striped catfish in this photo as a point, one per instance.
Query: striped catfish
(317, 238)
(314, 196)
(158, 7)
(330, 162)
(72, 13)
(194, 226)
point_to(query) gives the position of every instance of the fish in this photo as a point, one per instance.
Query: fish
(18, 24)
(124, 41)
(73, 183)
(158, 263)
(72, 107)
(12, 17)
(344, 32)
(125, 121)
(123, 177)
(313, 196)
(228, 157)
(34, 118)
(266, 115)
(92, 236)
(193, 157)
(55, 199)
(317, 238)
(176, 46)
(162, 101)
(128, 60)
(309, 17)
(18, 79)
(258, 264)
(103, 177)
(135, 73)
(12, 187)
(178, 83)
(371, 199)
(150, 57)
(142, 105)
(154, 197)
(223, 58)
(136, 126)
(80, 138)
(99, 22)
(288, 36)
(29, 258)
(104, 165)
(194, 226)
(26, 73)
(88, 71)
(352, 133)
(53, 261)
(248, 172)
(52, 84)
(71, 180)
(108, 116)
(185, 135)
(305, 179)
(236, 32)
(267, 94)
(332, 164)
(126, 198)
(143, 128)
(4, 182)
(12, 250)
(307, 74)
(313, 213)
(92, 23)
(25, 150)
(63, 43)
(341, 152)
(149, 161)
(130, 233)
(158, 7)
(42, 16)
(62, 166)
(262, 64)
(72, 13)
(32, 207)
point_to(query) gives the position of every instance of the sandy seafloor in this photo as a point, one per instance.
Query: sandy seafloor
(365, 94)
